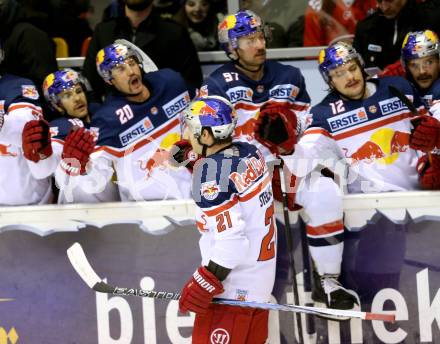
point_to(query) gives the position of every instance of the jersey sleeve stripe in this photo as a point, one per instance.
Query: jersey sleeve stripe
(328, 229)
(225, 206)
(142, 142)
(18, 106)
(319, 131)
(255, 191)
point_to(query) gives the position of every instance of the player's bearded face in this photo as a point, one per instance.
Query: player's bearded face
(348, 80)
(74, 102)
(127, 78)
(424, 70)
(252, 50)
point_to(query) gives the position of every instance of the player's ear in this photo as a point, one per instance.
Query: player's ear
(59, 108)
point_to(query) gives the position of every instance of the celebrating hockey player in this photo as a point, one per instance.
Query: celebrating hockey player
(420, 57)
(137, 125)
(235, 217)
(363, 124)
(20, 179)
(271, 103)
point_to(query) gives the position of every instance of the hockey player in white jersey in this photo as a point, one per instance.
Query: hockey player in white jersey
(20, 179)
(235, 217)
(420, 58)
(137, 126)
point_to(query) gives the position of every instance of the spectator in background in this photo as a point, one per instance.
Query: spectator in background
(29, 52)
(68, 19)
(278, 34)
(379, 37)
(328, 21)
(167, 43)
(202, 22)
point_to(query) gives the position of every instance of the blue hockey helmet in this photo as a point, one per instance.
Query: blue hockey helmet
(337, 55)
(113, 55)
(213, 112)
(62, 80)
(234, 26)
(419, 44)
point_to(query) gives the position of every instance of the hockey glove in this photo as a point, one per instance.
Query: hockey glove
(199, 291)
(276, 128)
(278, 194)
(428, 167)
(426, 134)
(35, 139)
(183, 155)
(393, 69)
(78, 146)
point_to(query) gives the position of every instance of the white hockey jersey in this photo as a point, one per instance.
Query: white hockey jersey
(20, 182)
(235, 216)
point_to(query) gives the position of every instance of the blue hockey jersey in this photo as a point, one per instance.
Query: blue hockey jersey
(135, 138)
(371, 136)
(281, 84)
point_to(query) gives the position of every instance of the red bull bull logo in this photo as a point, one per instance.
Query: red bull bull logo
(383, 147)
(158, 160)
(210, 190)
(247, 130)
(208, 110)
(29, 91)
(4, 151)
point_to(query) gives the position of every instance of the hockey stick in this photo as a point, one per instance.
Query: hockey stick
(288, 235)
(81, 265)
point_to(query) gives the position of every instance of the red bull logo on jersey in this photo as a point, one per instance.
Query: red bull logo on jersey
(383, 147)
(176, 105)
(391, 106)
(4, 151)
(159, 160)
(347, 119)
(286, 91)
(238, 93)
(210, 190)
(29, 91)
(255, 167)
(136, 131)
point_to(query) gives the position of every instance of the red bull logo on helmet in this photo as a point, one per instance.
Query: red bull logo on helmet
(347, 119)
(210, 190)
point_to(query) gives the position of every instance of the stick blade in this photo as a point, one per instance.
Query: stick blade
(81, 265)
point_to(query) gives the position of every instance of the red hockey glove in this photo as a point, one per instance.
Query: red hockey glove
(426, 135)
(276, 189)
(35, 140)
(428, 167)
(199, 291)
(393, 69)
(276, 128)
(183, 155)
(78, 146)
